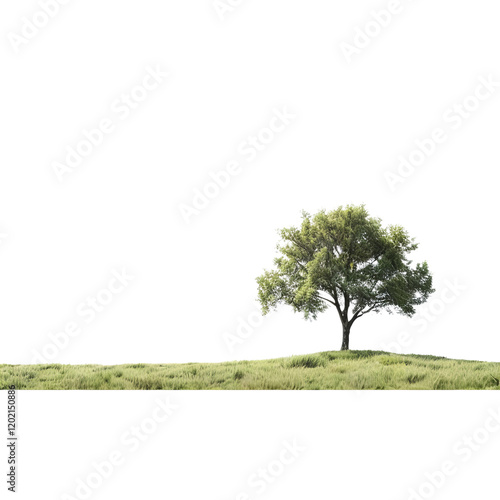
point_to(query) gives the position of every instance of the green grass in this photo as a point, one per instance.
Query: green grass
(326, 370)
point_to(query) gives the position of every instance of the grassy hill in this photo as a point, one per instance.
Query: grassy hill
(326, 370)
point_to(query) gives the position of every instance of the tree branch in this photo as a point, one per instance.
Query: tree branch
(336, 302)
(359, 314)
(328, 300)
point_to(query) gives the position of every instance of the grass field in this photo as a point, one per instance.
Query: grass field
(327, 370)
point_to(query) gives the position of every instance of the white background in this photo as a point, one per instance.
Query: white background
(192, 282)
(358, 444)
(120, 206)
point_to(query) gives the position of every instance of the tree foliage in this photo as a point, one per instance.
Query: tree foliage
(347, 260)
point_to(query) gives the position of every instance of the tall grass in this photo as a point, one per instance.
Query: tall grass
(327, 370)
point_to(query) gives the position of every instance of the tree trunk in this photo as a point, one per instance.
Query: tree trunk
(346, 329)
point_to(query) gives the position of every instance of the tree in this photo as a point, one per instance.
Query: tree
(346, 260)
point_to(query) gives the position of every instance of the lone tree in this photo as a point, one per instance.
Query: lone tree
(347, 260)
